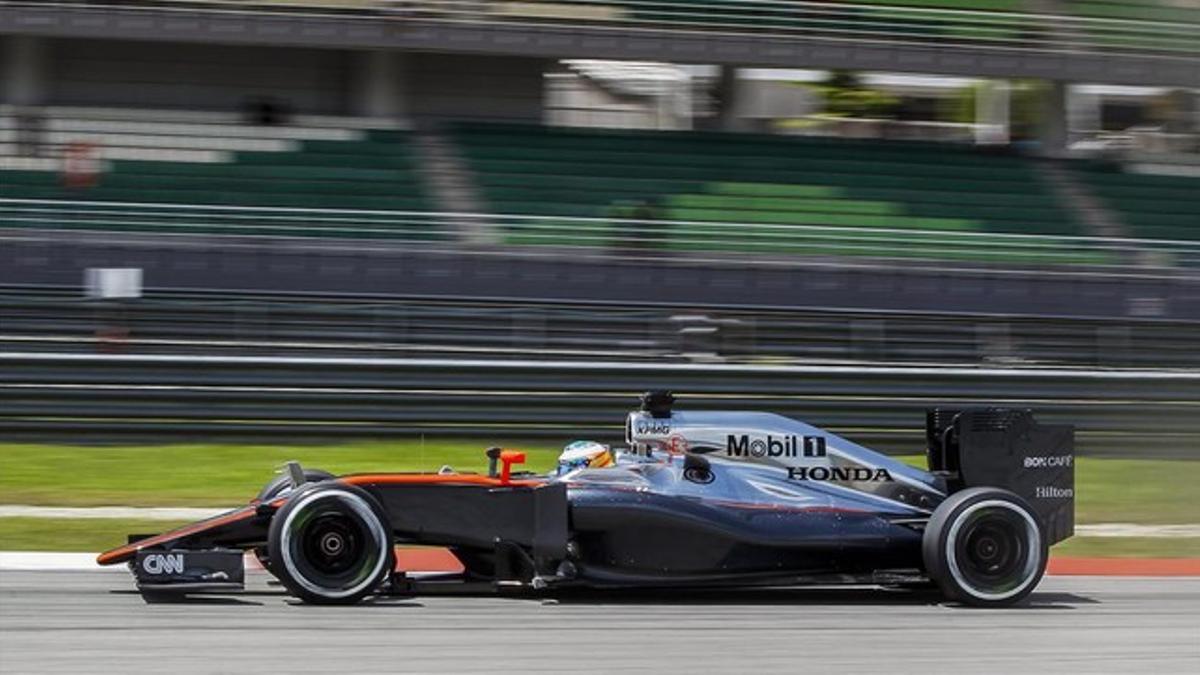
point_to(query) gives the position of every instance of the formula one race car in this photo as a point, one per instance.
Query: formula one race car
(697, 499)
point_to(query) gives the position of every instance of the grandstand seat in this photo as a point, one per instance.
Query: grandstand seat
(1150, 206)
(955, 202)
(212, 159)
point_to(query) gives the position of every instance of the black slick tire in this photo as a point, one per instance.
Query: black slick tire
(331, 544)
(277, 487)
(985, 547)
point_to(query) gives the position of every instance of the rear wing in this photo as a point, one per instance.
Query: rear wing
(1008, 448)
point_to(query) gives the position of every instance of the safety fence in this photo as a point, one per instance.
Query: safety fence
(685, 239)
(95, 399)
(241, 324)
(980, 24)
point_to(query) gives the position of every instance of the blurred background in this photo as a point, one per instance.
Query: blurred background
(384, 234)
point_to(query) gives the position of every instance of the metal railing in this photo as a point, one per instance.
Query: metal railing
(91, 399)
(810, 21)
(768, 243)
(240, 324)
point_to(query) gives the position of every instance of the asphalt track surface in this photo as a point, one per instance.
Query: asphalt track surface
(92, 622)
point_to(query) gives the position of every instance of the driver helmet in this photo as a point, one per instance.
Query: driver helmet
(584, 455)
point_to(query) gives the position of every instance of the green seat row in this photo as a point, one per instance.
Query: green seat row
(759, 186)
(1150, 206)
(228, 198)
(748, 173)
(175, 182)
(375, 174)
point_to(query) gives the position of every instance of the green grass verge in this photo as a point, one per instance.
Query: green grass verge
(1108, 490)
(1121, 547)
(208, 475)
(1149, 491)
(1159, 492)
(74, 534)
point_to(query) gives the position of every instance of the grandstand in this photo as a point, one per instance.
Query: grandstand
(661, 192)
(1152, 207)
(130, 156)
(207, 158)
(384, 146)
(752, 187)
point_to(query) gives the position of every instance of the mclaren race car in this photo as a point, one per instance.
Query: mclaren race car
(696, 499)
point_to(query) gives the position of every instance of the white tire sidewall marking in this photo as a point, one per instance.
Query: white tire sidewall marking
(1034, 541)
(359, 506)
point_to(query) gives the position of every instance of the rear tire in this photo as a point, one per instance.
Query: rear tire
(331, 544)
(985, 547)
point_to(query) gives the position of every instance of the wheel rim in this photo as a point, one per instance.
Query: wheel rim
(333, 544)
(994, 550)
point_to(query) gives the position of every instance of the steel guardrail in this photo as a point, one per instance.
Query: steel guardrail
(72, 398)
(214, 323)
(685, 239)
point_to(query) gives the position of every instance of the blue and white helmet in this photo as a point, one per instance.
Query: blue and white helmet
(584, 454)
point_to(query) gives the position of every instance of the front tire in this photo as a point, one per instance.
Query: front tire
(279, 486)
(331, 544)
(985, 547)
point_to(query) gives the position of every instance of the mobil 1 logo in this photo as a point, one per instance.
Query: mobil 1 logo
(745, 445)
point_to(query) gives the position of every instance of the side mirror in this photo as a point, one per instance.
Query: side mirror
(507, 459)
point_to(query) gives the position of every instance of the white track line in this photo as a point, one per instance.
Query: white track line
(177, 513)
(51, 562)
(1131, 530)
(74, 562)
